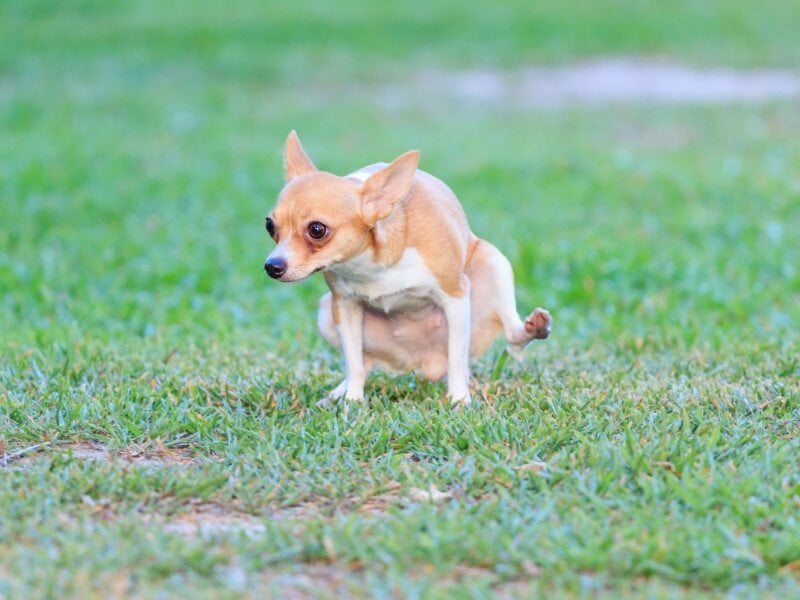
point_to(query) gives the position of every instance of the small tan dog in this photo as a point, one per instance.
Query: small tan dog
(411, 286)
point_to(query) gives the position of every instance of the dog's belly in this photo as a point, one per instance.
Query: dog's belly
(404, 341)
(405, 302)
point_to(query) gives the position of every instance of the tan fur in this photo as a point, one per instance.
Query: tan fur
(335, 201)
(419, 340)
(378, 215)
(434, 226)
(296, 161)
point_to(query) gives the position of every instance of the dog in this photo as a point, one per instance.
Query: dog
(411, 287)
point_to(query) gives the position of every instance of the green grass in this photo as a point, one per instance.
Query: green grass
(141, 150)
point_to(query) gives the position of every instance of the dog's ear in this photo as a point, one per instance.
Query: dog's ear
(295, 159)
(384, 189)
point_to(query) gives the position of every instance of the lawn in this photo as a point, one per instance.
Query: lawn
(158, 428)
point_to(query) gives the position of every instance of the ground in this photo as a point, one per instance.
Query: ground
(158, 428)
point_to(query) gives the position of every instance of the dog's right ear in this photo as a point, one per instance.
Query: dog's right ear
(295, 159)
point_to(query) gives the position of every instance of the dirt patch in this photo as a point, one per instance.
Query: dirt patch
(87, 451)
(376, 502)
(597, 82)
(327, 580)
(376, 505)
(208, 519)
(205, 519)
(305, 581)
(154, 454)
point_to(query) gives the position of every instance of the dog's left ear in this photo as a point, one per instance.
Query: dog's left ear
(295, 159)
(384, 189)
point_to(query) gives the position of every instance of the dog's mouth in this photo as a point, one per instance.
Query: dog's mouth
(295, 278)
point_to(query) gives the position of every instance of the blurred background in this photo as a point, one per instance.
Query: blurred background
(637, 161)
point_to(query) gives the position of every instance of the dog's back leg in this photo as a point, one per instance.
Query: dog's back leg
(494, 305)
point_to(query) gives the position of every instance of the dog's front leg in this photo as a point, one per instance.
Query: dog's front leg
(350, 328)
(457, 312)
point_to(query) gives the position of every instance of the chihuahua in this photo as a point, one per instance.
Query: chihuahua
(411, 287)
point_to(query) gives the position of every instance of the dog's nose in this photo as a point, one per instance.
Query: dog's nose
(275, 267)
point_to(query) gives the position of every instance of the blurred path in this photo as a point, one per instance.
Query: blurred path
(600, 81)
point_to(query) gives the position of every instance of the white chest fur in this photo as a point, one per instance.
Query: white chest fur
(408, 284)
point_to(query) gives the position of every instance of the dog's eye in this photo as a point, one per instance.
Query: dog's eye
(317, 231)
(270, 227)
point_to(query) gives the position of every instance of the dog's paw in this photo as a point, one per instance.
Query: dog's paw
(339, 393)
(461, 402)
(326, 402)
(333, 396)
(539, 324)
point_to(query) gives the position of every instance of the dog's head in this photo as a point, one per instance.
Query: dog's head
(321, 220)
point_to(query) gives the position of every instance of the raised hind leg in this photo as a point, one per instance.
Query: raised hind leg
(495, 306)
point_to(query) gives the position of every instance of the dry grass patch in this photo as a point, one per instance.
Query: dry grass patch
(306, 581)
(207, 519)
(153, 454)
(202, 518)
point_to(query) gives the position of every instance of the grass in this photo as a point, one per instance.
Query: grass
(649, 448)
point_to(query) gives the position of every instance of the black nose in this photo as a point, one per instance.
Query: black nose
(275, 267)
